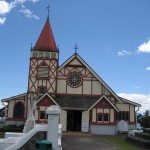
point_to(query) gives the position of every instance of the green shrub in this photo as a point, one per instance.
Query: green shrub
(12, 128)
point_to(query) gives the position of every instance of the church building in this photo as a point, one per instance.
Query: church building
(87, 103)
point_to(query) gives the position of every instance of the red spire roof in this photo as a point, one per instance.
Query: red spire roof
(46, 41)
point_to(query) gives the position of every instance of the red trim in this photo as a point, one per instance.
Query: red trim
(41, 121)
(16, 119)
(69, 94)
(69, 63)
(109, 123)
(131, 122)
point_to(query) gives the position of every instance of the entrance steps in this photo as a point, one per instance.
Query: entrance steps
(141, 139)
(77, 133)
(14, 141)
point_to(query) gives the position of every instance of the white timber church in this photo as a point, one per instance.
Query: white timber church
(87, 103)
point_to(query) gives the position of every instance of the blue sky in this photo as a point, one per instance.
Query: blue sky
(113, 37)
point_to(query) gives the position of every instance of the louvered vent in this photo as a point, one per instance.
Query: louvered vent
(34, 54)
(41, 54)
(43, 72)
(53, 55)
(47, 55)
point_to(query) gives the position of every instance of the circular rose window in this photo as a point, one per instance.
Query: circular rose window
(74, 79)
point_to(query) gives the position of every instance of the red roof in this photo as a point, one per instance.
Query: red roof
(46, 39)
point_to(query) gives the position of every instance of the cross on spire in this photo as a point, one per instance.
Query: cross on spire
(48, 10)
(76, 47)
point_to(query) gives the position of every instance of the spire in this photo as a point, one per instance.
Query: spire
(46, 41)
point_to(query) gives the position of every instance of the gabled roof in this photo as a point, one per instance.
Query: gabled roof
(92, 71)
(130, 102)
(14, 97)
(46, 94)
(76, 102)
(46, 41)
(103, 96)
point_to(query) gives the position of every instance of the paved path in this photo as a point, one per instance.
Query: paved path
(85, 142)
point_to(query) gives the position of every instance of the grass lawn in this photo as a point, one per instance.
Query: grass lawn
(121, 143)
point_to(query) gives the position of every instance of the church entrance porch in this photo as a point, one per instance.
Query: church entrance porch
(74, 118)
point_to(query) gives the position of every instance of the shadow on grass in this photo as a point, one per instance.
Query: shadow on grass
(121, 143)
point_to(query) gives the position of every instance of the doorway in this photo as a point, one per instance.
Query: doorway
(74, 120)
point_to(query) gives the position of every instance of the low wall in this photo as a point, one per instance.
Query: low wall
(28, 140)
(131, 127)
(103, 129)
(12, 122)
(30, 145)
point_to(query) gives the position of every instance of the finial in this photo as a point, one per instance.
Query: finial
(31, 46)
(76, 47)
(48, 11)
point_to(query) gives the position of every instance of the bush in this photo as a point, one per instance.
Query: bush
(12, 128)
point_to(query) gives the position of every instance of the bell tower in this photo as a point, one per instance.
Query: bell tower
(43, 63)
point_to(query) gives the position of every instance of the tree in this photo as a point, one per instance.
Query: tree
(144, 119)
(2, 114)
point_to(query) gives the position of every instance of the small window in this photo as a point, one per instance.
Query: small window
(122, 115)
(42, 90)
(106, 118)
(42, 115)
(103, 117)
(100, 117)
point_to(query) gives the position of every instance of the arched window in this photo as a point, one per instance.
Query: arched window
(19, 110)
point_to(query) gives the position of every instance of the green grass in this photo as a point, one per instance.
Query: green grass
(121, 143)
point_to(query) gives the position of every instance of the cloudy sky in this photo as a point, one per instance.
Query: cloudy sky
(113, 37)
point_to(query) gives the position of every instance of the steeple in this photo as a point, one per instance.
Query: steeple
(46, 41)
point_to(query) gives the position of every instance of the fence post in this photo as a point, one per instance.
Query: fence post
(53, 113)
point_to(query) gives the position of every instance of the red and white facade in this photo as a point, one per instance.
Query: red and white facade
(88, 104)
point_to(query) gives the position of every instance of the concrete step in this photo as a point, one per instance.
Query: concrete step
(144, 143)
(143, 135)
(146, 130)
(4, 145)
(11, 139)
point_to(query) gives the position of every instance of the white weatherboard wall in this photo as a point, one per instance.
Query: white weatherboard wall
(63, 120)
(85, 121)
(103, 129)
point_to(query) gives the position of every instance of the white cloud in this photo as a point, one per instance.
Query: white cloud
(2, 20)
(142, 99)
(148, 68)
(145, 47)
(28, 13)
(34, 1)
(5, 7)
(123, 53)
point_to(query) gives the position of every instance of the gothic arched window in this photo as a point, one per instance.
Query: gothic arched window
(19, 110)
